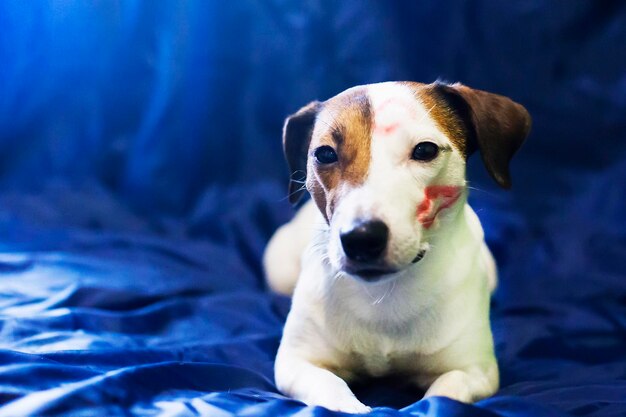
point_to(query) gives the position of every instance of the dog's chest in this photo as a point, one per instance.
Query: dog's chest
(381, 350)
(376, 339)
(383, 359)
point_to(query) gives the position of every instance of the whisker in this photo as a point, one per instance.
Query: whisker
(427, 113)
(479, 190)
(294, 192)
(336, 278)
(300, 171)
(364, 286)
(330, 126)
(390, 289)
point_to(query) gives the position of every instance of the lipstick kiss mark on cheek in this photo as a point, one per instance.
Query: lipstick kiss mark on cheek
(436, 199)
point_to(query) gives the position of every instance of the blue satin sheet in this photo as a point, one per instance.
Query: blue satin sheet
(141, 175)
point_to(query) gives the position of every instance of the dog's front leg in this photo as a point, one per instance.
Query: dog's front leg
(314, 385)
(468, 385)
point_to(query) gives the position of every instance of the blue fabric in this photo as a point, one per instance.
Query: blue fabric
(141, 175)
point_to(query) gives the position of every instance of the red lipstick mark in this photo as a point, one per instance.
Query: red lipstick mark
(405, 104)
(402, 105)
(436, 198)
(388, 129)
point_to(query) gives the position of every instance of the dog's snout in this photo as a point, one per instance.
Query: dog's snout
(365, 241)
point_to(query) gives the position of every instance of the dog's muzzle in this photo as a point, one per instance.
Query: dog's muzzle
(365, 241)
(364, 244)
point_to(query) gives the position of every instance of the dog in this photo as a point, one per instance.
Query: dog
(387, 263)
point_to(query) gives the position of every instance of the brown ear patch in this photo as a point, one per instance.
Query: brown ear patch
(500, 126)
(297, 133)
(444, 115)
(477, 120)
(345, 123)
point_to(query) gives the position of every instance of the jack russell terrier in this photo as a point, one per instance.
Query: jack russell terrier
(389, 264)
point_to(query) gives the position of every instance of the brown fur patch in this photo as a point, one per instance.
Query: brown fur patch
(345, 123)
(443, 115)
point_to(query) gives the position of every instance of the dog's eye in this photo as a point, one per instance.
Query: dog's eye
(325, 155)
(425, 151)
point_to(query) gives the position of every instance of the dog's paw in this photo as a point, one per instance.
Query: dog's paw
(347, 405)
(467, 386)
(336, 400)
(453, 385)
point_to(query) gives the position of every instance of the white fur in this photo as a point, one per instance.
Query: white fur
(430, 320)
(282, 255)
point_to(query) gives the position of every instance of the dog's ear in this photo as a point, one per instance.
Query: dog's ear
(496, 125)
(296, 139)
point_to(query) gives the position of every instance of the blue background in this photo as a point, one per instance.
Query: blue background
(141, 175)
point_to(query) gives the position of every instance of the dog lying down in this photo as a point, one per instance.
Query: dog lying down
(388, 266)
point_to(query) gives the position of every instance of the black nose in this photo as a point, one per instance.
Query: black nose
(365, 241)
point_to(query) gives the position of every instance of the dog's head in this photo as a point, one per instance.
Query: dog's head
(385, 164)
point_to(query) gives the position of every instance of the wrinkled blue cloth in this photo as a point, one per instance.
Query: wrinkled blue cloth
(141, 175)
